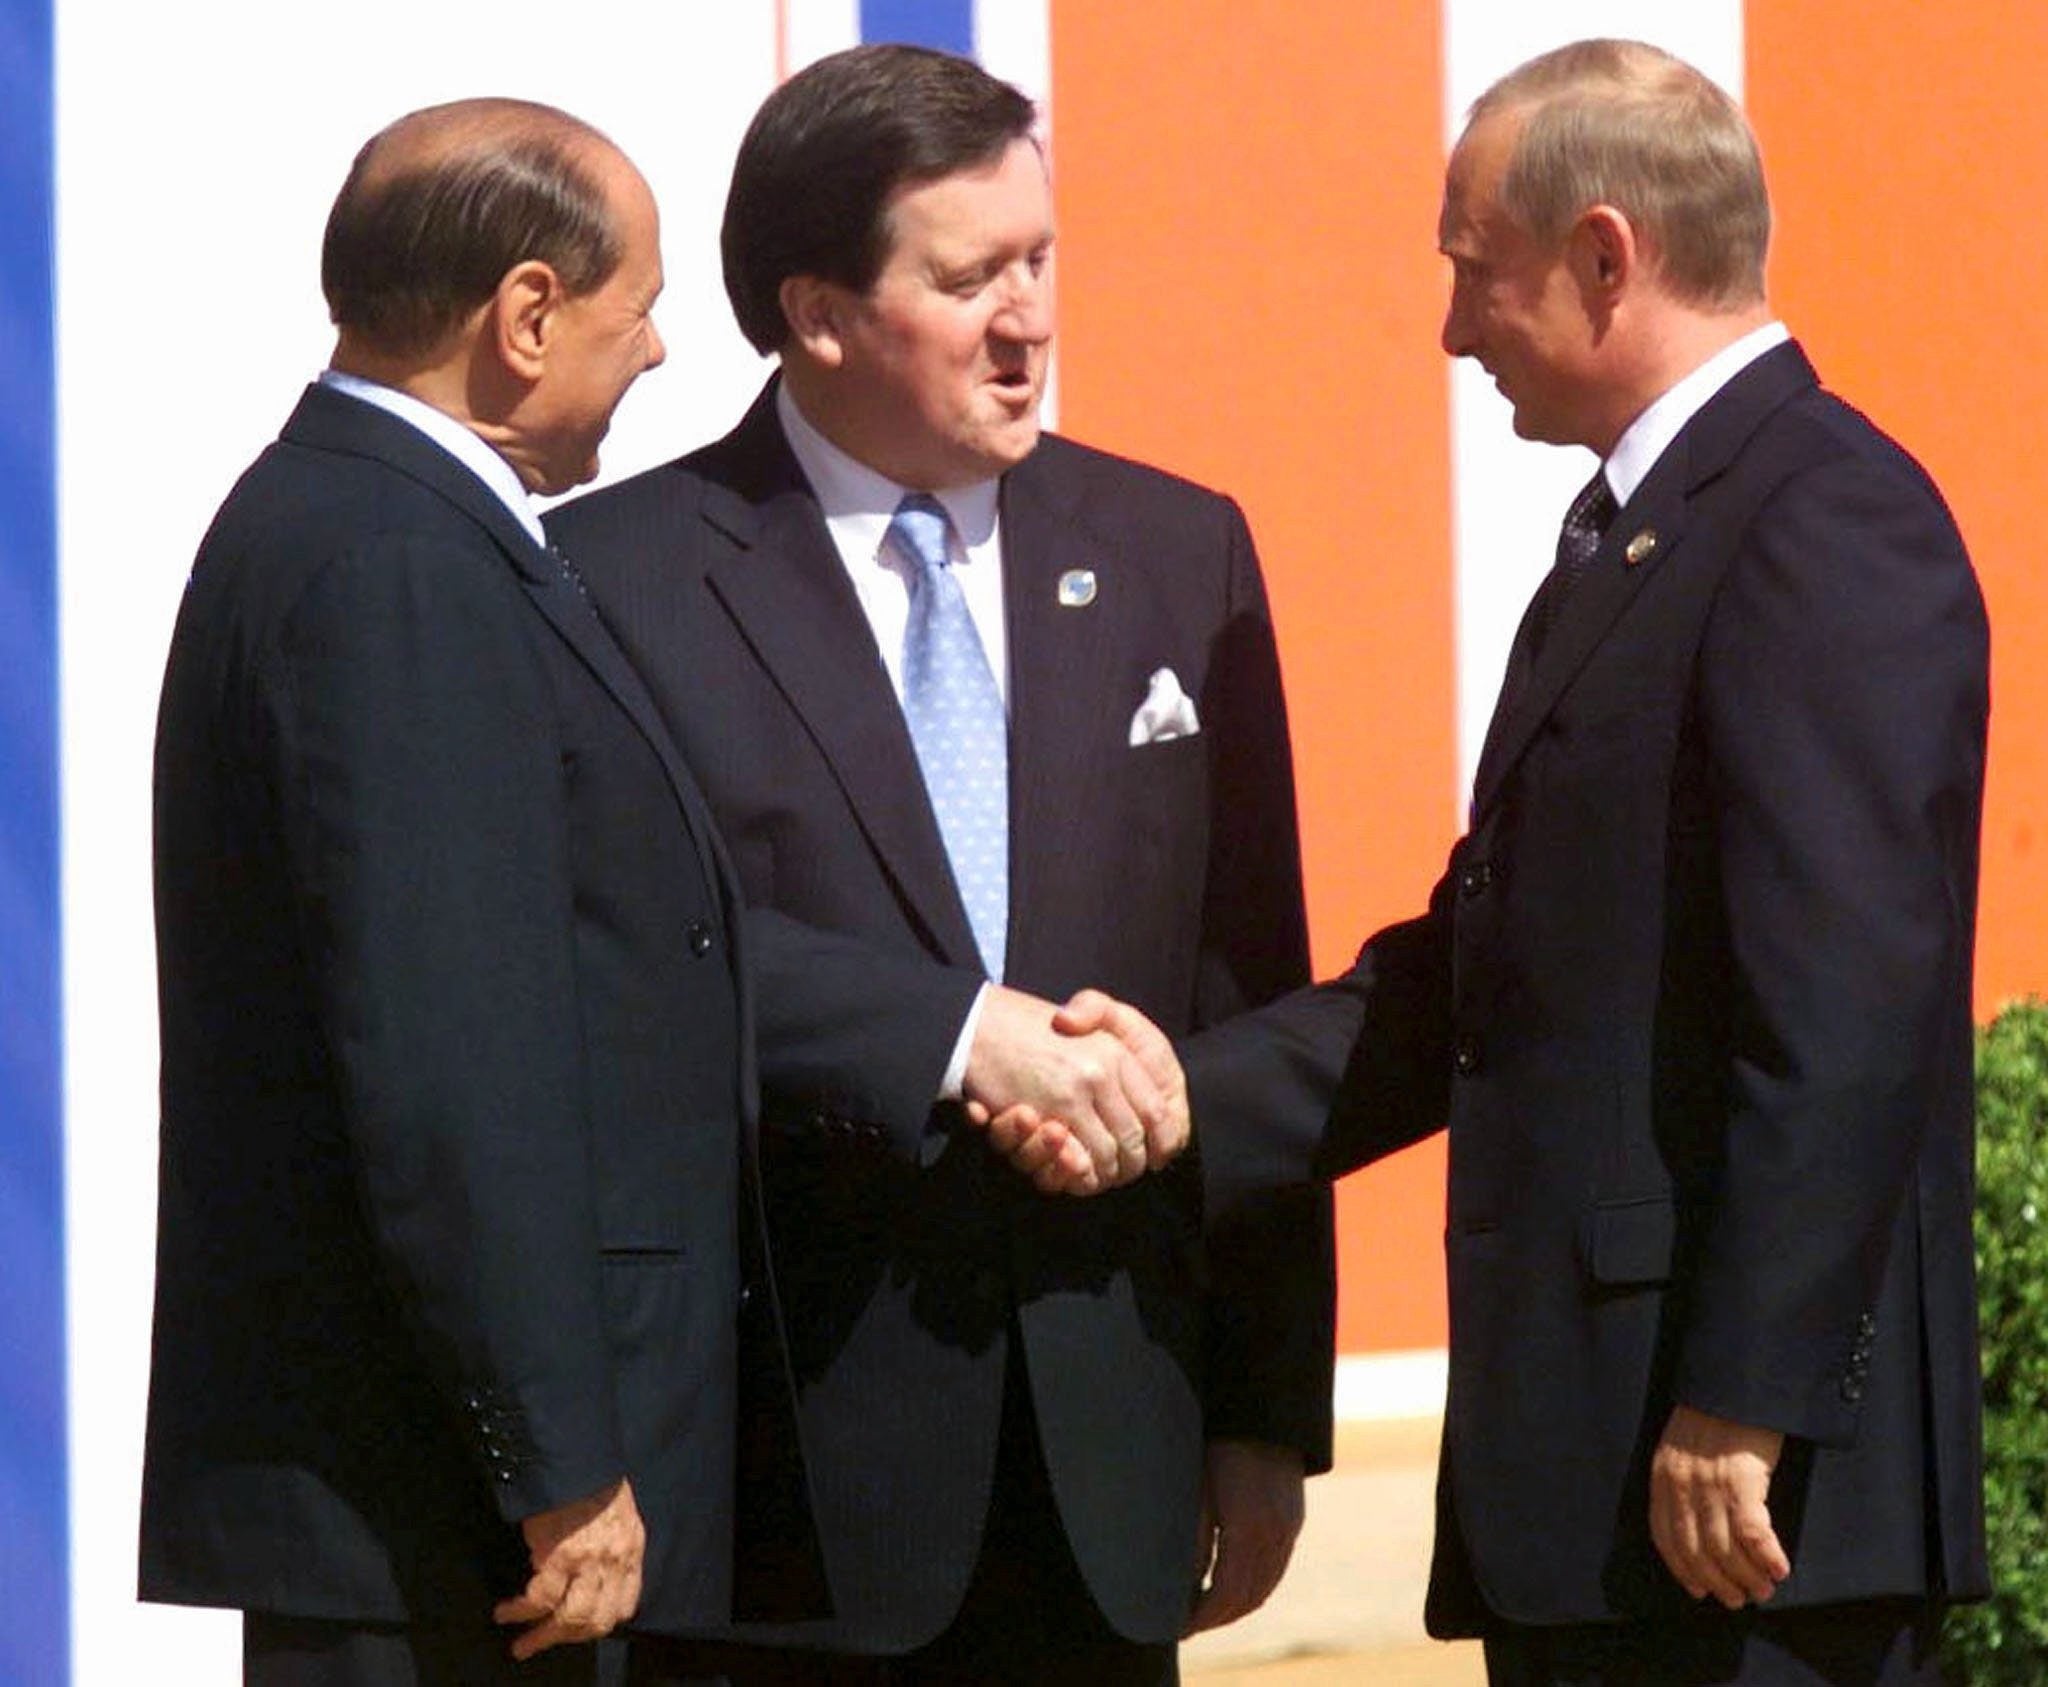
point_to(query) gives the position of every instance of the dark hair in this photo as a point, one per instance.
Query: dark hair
(414, 244)
(825, 152)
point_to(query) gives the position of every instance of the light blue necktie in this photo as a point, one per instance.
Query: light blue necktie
(956, 720)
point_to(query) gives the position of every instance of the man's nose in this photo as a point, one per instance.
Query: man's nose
(1026, 314)
(1456, 335)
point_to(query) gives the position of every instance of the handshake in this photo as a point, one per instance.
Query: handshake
(1079, 1098)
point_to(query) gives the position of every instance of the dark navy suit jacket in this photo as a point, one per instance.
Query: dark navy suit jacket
(1694, 1000)
(1167, 874)
(459, 1113)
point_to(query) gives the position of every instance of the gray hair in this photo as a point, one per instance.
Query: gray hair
(1625, 124)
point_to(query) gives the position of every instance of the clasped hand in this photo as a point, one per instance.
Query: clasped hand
(587, 1559)
(1079, 1098)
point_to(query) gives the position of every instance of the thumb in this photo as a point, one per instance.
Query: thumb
(1084, 1011)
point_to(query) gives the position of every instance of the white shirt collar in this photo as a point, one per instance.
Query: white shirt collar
(858, 501)
(452, 437)
(1638, 449)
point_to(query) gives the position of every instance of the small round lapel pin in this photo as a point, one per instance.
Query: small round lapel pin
(1641, 548)
(1077, 588)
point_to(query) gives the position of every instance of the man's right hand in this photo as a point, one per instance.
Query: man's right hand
(1080, 1100)
(587, 1557)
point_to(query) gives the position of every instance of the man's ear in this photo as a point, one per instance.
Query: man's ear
(522, 317)
(1604, 251)
(816, 311)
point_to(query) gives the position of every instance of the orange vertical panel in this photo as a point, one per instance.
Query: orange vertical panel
(1906, 155)
(1249, 295)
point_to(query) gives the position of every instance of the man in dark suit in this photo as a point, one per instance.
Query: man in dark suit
(1004, 703)
(457, 1113)
(1694, 995)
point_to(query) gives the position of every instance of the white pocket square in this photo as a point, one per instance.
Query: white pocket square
(1167, 712)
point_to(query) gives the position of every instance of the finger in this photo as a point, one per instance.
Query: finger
(1693, 1570)
(582, 1604)
(1730, 1519)
(542, 1593)
(1671, 1529)
(1079, 1113)
(1165, 1141)
(1011, 1130)
(1072, 1173)
(1763, 1560)
(1238, 1585)
(977, 1113)
(1081, 1178)
(1035, 1146)
(1084, 1011)
(1161, 1101)
(1717, 1550)
(1121, 1093)
(1663, 1538)
(533, 1641)
(1704, 1541)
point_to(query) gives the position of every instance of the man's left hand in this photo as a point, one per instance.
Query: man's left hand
(1709, 1481)
(1251, 1514)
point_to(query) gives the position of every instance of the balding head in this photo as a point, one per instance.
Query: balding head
(442, 203)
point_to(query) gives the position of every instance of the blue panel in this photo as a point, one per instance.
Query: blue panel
(34, 1638)
(930, 23)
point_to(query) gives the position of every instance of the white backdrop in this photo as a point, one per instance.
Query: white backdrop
(198, 149)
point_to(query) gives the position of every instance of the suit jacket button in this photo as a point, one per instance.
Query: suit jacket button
(1852, 1389)
(700, 938)
(1465, 1056)
(1475, 878)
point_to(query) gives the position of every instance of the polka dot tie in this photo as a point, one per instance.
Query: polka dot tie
(956, 720)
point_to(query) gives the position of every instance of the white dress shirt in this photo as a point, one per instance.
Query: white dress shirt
(1638, 449)
(858, 505)
(452, 437)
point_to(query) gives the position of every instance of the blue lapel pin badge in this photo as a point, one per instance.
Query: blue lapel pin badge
(1077, 588)
(1641, 548)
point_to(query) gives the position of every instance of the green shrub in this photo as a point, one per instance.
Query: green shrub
(2004, 1642)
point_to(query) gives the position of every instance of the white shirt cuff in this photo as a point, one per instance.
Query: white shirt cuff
(953, 1087)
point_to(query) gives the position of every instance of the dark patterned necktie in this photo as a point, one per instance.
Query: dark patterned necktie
(1578, 542)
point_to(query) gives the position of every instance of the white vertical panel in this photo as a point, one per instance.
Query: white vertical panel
(1013, 40)
(199, 147)
(1508, 495)
(817, 27)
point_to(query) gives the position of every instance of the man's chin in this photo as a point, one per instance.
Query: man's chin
(1009, 445)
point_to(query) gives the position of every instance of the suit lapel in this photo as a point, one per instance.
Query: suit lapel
(1610, 584)
(775, 569)
(1060, 683)
(1641, 543)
